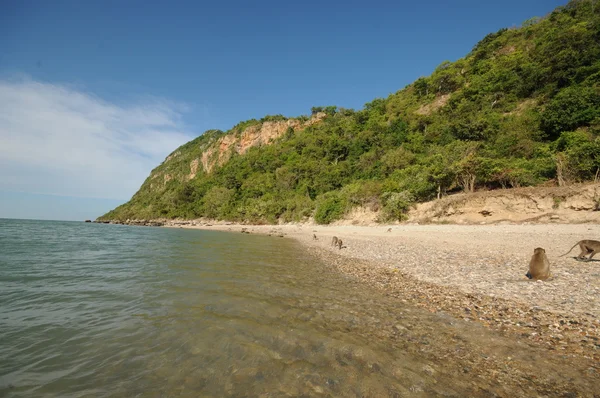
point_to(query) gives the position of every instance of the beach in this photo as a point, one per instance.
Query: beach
(472, 272)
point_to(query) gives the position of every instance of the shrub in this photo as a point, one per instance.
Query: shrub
(261, 210)
(297, 208)
(579, 156)
(331, 206)
(217, 202)
(416, 179)
(363, 193)
(572, 107)
(396, 205)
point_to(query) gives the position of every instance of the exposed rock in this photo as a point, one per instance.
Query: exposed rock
(193, 168)
(433, 106)
(171, 156)
(260, 134)
(147, 223)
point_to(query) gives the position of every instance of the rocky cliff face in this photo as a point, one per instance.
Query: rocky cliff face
(205, 155)
(262, 134)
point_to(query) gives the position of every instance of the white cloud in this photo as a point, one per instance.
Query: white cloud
(60, 140)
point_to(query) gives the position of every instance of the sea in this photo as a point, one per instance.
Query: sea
(96, 310)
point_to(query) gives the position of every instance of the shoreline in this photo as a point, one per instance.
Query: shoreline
(473, 272)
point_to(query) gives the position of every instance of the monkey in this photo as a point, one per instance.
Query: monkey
(539, 266)
(389, 230)
(339, 244)
(334, 241)
(587, 246)
(315, 237)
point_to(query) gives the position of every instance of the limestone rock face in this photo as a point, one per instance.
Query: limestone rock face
(215, 152)
(257, 135)
(193, 169)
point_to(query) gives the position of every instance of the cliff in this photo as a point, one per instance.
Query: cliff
(216, 148)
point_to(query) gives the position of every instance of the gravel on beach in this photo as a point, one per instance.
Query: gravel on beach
(477, 273)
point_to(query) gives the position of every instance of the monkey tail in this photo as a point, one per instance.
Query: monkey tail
(570, 250)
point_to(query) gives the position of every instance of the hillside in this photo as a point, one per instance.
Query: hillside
(521, 109)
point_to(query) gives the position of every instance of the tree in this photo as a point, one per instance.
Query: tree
(571, 108)
(421, 87)
(217, 202)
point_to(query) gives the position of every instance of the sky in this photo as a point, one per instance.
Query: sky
(95, 94)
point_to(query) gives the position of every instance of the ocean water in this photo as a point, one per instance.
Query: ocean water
(94, 310)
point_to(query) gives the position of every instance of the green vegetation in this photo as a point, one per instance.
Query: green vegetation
(522, 108)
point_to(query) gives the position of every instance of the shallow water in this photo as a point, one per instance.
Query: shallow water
(107, 310)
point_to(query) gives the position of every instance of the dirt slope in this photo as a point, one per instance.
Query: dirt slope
(572, 204)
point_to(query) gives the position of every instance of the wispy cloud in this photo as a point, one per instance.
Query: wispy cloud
(61, 140)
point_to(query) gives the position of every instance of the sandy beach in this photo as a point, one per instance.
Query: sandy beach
(473, 272)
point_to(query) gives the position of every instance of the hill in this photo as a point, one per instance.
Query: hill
(521, 109)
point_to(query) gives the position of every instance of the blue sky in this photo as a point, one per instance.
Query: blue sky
(94, 94)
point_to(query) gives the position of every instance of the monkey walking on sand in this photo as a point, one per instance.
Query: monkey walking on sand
(539, 266)
(587, 246)
(336, 242)
(315, 237)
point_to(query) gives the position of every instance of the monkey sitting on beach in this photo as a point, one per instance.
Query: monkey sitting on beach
(339, 244)
(315, 237)
(539, 266)
(587, 246)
